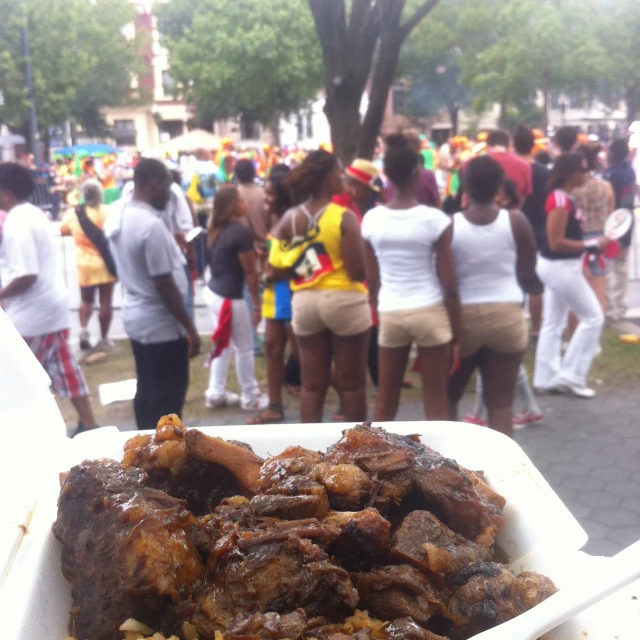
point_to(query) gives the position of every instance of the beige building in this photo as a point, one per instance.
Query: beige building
(163, 117)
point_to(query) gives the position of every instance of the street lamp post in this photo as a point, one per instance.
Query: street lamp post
(28, 77)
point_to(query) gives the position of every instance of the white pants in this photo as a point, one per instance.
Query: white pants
(566, 289)
(241, 343)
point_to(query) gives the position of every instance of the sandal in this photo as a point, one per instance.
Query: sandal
(264, 418)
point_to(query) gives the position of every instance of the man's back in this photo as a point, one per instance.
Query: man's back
(533, 206)
(253, 195)
(516, 169)
(144, 249)
(623, 180)
(28, 249)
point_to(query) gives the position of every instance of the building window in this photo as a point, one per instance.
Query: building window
(249, 129)
(172, 128)
(124, 133)
(168, 84)
(398, 100)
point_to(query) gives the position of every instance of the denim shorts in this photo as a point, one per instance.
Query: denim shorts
(596, 264)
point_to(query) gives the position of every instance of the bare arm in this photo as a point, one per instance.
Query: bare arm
(446, 268)
(611, 197)
(526, 246)
(352, 247)
(17, 286)
(172, 299)
(372, 269)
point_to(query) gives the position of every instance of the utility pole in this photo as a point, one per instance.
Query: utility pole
(34, 141)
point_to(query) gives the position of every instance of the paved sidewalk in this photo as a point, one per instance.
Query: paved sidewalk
(587, 450)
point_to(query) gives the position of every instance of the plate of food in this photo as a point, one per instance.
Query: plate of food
(299, 531)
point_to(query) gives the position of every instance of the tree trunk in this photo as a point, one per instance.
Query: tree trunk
(380, 87)
(45, 140)
(546, 77)
(342, 109)
(454, 113)
(349, 40)
(275, 130)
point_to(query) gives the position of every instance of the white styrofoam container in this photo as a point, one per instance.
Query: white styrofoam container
(540, 534)
(32, 431)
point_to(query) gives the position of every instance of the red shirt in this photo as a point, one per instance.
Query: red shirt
(517, 170)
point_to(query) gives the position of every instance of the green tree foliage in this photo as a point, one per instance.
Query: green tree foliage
(432, 63)
(508, 52)
(620, 33)
(247, 57)
(79, 57)
(537, 45)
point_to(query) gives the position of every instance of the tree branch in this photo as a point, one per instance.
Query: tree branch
(420, 13)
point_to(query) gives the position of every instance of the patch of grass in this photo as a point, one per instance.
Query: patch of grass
(618, 368)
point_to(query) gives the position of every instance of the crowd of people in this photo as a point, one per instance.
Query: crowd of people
(352, 270)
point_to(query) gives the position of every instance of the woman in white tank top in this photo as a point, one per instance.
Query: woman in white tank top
(412, 283)
(495, 255)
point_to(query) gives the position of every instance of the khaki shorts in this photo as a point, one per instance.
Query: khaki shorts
(500, 326)
(427, 327)
(345, 313)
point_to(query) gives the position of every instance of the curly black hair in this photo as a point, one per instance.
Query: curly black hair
(307, 180)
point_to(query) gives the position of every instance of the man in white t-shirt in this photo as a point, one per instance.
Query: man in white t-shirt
(153, 278)
(33, 296)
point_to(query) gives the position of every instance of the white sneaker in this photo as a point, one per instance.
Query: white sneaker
(580, 392)
(105, 345)
(258, 403)
(227, 399)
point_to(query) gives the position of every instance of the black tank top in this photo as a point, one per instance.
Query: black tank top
(559, 199)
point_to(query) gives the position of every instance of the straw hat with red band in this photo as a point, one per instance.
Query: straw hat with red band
(364, 171)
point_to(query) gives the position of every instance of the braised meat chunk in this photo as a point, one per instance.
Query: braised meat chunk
(487, 594)
(83, 494)
(194, 468)
(402, 464)
(133, 560)
(269, 571)
(364, 538)
(397, 592)
(429, 545)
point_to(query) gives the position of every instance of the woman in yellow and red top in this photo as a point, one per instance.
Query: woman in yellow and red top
(92, 272)
(319, 243)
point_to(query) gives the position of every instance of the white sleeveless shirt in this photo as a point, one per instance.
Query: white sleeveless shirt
(485, 257)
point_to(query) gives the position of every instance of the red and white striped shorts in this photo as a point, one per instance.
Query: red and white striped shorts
(53, 353)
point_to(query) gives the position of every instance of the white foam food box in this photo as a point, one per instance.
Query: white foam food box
(540, 533)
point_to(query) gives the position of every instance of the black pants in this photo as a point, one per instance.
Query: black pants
(163, 379)
(373, 355)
